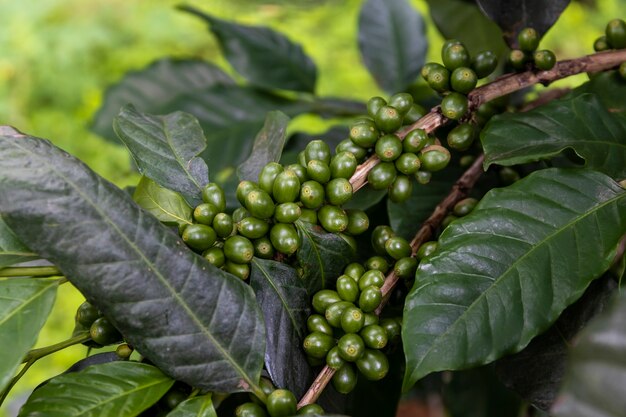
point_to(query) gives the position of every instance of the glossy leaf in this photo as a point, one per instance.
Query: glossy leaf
(12, 251)
(153, 86)
(166, 205)
(514, 15)
(195, 407)
(581, 123)
(263, 56)
(169, 303)
(610, 89)
(166, 149)
(365, 198)
(285, 304)
(504, 273)
(267, 147)
(392, 41)
(453, 17)
(322, 256)
(121, 389)
(24, 307)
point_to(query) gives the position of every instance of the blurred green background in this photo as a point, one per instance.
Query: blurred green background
(57, 58)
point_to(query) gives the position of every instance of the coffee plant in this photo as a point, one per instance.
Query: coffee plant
(458, 251)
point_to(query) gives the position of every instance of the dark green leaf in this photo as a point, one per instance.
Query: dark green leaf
(285, 305)
(158, 83)
(392, 41)
(268, 146)
(581, 123)
(12, 251)
(195, 322)
(122, 389)
(514, 15)
(166, 149)
(166, 205)
(263, 56)
(596, 373)
(365, 198)
(536, 373)
(454, 17)
(504, 273)
(322, 256)
(610, 88)
(24, 308)
(195, 407)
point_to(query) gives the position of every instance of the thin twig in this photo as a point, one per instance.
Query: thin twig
(30, 271)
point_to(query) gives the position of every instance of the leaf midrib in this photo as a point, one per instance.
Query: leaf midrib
(315, 251)
(27, 301)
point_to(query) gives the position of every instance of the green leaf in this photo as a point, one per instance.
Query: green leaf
(153, 86)
(195, 407)
(453, 17)
(581, 123)
(166, 149)
(12, 251)
(504, 273)
(268, 146)
(610, 88)
(393, 43)
(24, 307)
(122, 389)
(263, 56)
(166, 205)
(596, 375)
(285, 305)
(365, 198)
(188, 317)
(514, 15)
(322, 256)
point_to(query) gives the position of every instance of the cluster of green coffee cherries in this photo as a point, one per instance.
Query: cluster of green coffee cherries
(278, 403)
(528, 55)
(614, 38)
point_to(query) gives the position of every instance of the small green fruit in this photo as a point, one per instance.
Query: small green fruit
(454, 106)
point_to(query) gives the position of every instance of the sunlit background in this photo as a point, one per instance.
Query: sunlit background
(57, 58)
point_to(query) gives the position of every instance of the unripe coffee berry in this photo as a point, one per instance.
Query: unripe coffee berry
(388, 147)
(317, 149)
(382, 175)
(267, 176)
(463, 80)
(454, 106)
(213, 193)
(338, 191)
(388, 119)
(528, 39)
(544, 60)
(401, 189)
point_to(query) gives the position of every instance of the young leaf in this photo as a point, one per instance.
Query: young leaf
(322, 256)
(264, 57)
(505, 272)
(581, 123)
(166, 149)
(392, 41)
(285, 305)
(268, 146)
(514, 15)
(166, 205)
(195, 407)
(169, 303)
(12, 251)
(153, 86)
(115, 389)
(594, 383)
(24, 308)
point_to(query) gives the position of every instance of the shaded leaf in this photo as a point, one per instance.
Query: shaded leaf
(514, 15)
(285, 305)
(166, 149)
(322, 256)
(610, 89)
(150, 87)
(263, 56)
(169, 303)
(12, 251)
(365, 198)
(24, 307)
(195, 407)
(505, 272)
(581, 123)
(454, 17)
(96, 359)
(393, 43)
(166, 205)
(122, 389)
(536, 373)
(267, 147)
(596, 373)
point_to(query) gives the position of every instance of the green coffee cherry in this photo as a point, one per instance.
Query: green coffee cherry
(347, 288)
(397, 247)
(528, 39)
(223, 224)
(213, 193)
(377, 263)
(401, 189)
(344, 380)
(215, 256)
(263, 248)
(324, 299)
(238, 249)
(380, 235)
(392, 328)
(250, 409)
(370, 299)
(448, 43)
(364, 134)
(358, 222)
(382, 175)
(301, 159)
(426, 249)
(388, 119)
(544, 60)
(286, 187)
(438, 78)
(508, 175)
(334, 312)
(370, 278)
(463, 80)
(461, 137)
(484, 63)
(333, 219)
(253, 228)
(354, 270)
(415, 140)
(373, 365)
(455, 56)
(343, 165)
(199, 236)
(434, 158)
(300, 172)
(454, 106)
(318, 171)
(616, 34)
(601, 44)
(402, 102)
(374, 336)
(352, 319)
(425, 71)
(415, 113)
(388, 147)
(317, 323)
(204, 213)
(464, 207)
(103, 332)
(317, 150)
(312, 194)
(174, 397)
(370, 318)
(86, 314)
(281, 403)
(287, 212)
(466, 161)
(351, 347)
(338, 191)
(447, 220)
(408, 163)
(517, 59)
(124, 351)
(333, 359)
(423, 177)
(284, 238)
(308, 215)
(311, 409)
(347, 145)
(239, 214)
(374, 104)
(268, 175)
(405, 267)
(259, 204)
(318, 344)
